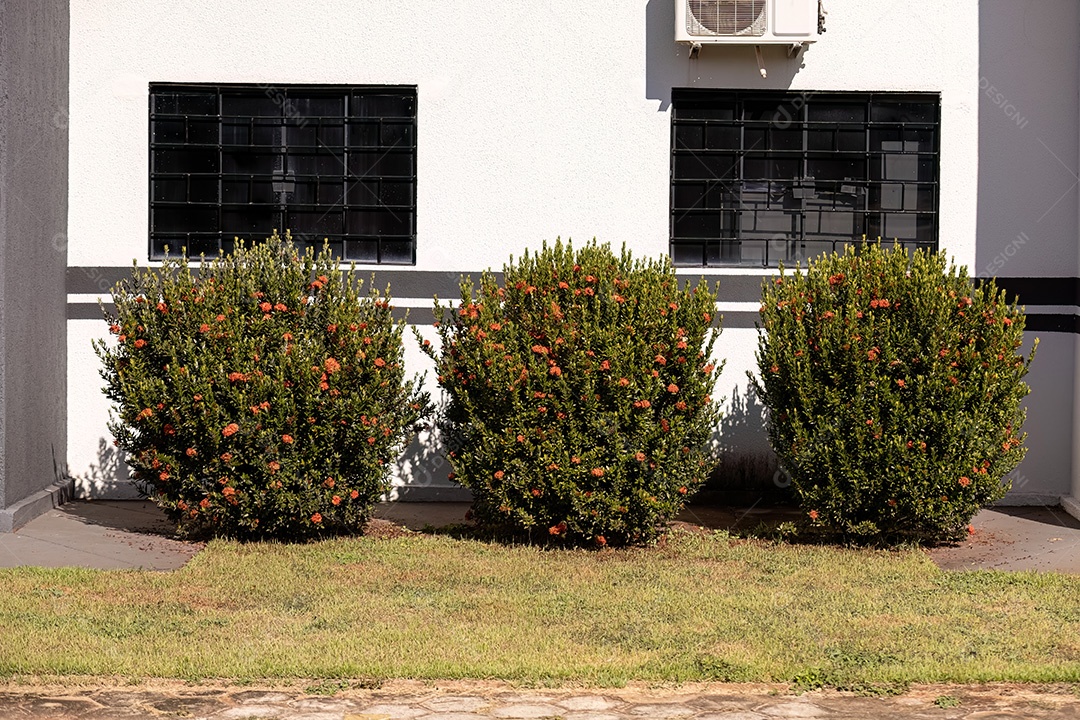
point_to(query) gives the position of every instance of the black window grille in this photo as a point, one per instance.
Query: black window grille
(759, 178)
(329, 163)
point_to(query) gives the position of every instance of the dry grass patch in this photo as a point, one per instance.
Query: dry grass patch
(696, 608)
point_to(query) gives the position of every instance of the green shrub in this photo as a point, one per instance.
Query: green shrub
(578, 391)
(264, 397)
(893, 388)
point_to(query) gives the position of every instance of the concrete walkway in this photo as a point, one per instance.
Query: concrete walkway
(134, 534)
(404, 700)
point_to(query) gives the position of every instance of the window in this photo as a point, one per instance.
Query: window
(326, 162)
(759, 178)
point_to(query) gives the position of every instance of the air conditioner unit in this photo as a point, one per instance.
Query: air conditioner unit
(749, 22)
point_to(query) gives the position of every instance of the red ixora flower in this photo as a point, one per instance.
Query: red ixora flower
(230, 430)
(964, 481)
(598, 472)
(673, 388)
(316, 518)
(555, 370)
(813, 514)
(266, 307)
(287, 439)
(331, 365)
(140, 343)
(379, 362)
(499, 474)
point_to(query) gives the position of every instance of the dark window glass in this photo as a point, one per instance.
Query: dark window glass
(331, 164)
(759, 178)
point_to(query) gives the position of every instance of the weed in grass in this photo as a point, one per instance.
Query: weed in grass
(809, 679)
(718, 669)
(947, 701)
(327, 687)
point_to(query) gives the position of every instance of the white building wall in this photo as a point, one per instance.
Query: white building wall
(535, 120)
(1028, 204)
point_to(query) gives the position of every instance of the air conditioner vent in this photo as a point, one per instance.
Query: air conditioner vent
(726, 17)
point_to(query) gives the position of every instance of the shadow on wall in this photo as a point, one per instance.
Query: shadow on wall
(748, 472)
(746, 475)
(423, 468)
(107, 478)
(668, 64)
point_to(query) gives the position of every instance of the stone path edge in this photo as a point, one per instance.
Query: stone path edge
(1058, 694)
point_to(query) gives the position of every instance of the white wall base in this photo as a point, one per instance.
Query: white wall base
(1017, 499)
(22, 512)
(1071, 505)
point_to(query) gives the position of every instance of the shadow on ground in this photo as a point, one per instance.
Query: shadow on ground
(135, 534)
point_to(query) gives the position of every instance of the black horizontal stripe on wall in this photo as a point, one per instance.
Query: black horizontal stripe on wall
(92, 311)
(1032, 292)
(415, 316)
(731, 319)
(403, 283)
(1041, 290)
(422, 283)
(1052, 323)
(733, 288)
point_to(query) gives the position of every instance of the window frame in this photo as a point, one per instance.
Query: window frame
(726, 200)
(333, 176)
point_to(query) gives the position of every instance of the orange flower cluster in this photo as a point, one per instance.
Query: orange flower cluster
(230, 430)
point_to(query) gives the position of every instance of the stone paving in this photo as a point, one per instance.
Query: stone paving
(405, 700)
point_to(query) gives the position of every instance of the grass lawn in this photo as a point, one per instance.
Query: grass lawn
(698, 607)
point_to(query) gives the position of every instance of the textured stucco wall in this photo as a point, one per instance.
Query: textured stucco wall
(1029, 119)
(33, 225)
(535, 120)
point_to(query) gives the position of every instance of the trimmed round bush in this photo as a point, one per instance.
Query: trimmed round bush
(264, 397)
(578, 394)
(894, 390)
